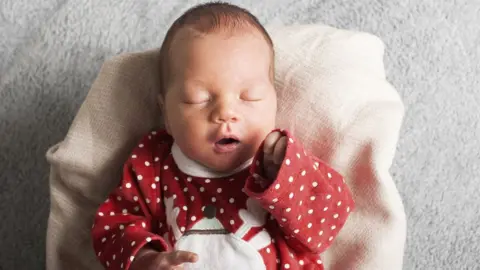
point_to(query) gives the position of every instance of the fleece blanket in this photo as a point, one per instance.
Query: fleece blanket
(52, 50)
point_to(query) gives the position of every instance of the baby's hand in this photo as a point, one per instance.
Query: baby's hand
(149, 259)
(274, 149)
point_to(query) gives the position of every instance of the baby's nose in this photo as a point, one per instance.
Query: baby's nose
(225, 112)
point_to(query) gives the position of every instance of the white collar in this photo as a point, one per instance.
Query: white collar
(195, 169)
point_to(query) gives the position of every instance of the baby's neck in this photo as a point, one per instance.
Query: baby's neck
(193, 168)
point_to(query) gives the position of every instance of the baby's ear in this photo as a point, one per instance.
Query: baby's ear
(161, 104)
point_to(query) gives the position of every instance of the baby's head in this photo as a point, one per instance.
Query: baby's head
(217, 76)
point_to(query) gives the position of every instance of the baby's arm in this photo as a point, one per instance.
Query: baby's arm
(309, 200)
(124, 223)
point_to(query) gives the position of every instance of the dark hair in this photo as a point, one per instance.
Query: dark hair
(205, 19)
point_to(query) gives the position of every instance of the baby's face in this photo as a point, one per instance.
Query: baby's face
(221, 103)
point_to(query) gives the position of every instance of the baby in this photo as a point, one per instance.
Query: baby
(220, 187)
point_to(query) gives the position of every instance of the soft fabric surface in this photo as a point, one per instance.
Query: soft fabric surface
(51, 51)
(332, 79)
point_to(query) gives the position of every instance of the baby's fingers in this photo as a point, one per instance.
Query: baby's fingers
(280, 150)
(180, 257)
(270, 141)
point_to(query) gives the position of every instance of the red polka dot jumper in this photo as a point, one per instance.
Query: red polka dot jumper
(232, 222)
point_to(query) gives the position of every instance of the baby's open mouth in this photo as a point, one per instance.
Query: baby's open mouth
(228, 141)
(227, 145)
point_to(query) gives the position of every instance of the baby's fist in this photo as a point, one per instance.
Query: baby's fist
(274, 150)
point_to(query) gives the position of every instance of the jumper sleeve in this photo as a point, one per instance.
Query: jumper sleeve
(309, 200)
(124, 223)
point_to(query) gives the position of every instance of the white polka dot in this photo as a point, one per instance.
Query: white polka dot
(185, 208)
(149, 239)
(154, 186)
(192, 198)
(335, 216)
(319, 245)
(157, 179)
(165, 167)
(207, 181)
(174, 196)
(301, 262)
(312, 198)
(275, 200)
(112, 213)
(277, 186)
(134, 156)
(232, 200)
(189, 179)
(231, 179)
(132, 258)
(290, 140)
(193, 218)
(325, 208)
(133, 243)
(107, 228)
(156, 159)
(108, 264)
(309, 239)
(135, 198)
(121, 266)
(330, 238)
(323, 220)
(309, 225)
(154, 132)
(329, 175)
(232, 221)
(182, 229)
(219, 190)
(303, 173)
(100, 214)
(314, 184)
(302, 187)
(136, 208)
(333, 227)
(287, 266)
(202, 189)
(348, 209)
(124, 211)
(329, 196)
(222, 210)
(290, 179)
(296, 231)
(319, 262)
(257, 162)
(320, 233)
(288, 209)
(268, 250)
(139, 177)
(141, 145)
(339, 189)
(119, 198)
(99, 253)
(165, 188)
(290, 195)
(271, 207)
(185, 189)
(128, 185)
(339, 203)
(299, 217)
(287, 161)
(143, 224)
(104, 239)
(284, 219)
(300, 203)
(147, 163)
(298, 155)
(310, 211)
(121, 227)
(160, 225)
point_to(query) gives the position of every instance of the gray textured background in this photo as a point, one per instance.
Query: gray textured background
(50, 51)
